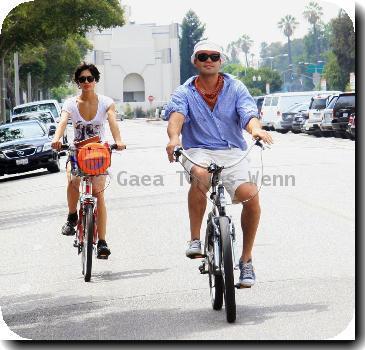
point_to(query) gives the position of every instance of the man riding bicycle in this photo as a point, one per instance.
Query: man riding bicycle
(211, 110)
(88, 112)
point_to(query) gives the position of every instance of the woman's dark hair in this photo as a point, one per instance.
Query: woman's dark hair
(84, 66)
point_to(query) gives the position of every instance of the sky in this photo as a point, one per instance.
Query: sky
(227, 20)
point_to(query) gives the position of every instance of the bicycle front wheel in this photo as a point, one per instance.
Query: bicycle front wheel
(87, 248)
(215, 277)
(227, 270)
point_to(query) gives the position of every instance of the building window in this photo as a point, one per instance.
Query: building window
(133, 88)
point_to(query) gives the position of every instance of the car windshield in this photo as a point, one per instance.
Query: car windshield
(318, 103)
(23, 131)
(332, 102)
(346, 101)
(43, 117)
(267, 101)
(40, 107)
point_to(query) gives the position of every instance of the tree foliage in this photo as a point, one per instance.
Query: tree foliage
(246, 75)
(343, 45)
(42, 21)
(192, 31)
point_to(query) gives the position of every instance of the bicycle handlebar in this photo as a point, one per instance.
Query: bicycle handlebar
(180, 151)
(66, 147)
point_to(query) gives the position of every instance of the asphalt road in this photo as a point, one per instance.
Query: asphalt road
(148, 289)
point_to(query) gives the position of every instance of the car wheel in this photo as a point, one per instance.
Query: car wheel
(337, 134)
(295, 132)
(55, 167)
(282, 131)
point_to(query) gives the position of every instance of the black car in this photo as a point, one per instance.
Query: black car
(298, 122)
(44, 116)
(343, 108)
(26, 146)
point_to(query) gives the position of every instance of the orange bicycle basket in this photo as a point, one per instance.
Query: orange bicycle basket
(93, 158)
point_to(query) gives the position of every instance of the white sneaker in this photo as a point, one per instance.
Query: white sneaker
(194, 249)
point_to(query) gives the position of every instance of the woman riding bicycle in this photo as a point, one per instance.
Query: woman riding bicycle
(88, 113)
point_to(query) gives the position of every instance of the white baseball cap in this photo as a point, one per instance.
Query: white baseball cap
(206, 45)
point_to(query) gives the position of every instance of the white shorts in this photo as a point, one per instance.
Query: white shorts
(232, 177)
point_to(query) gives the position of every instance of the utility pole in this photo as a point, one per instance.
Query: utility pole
(16, 78)
(29, 87)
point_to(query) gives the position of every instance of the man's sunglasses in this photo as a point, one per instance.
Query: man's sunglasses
(202, 57)
(89, 78)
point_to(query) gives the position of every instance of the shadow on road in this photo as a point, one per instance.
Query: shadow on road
(108, 276)
(24, 176)
(67, 318)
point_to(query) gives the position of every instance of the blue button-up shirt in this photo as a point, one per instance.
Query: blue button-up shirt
(218, 129)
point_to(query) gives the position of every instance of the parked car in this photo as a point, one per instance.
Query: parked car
(120, 115)
(51, 105)
(286, 122)
(163, 112)
(326, 123)
(343, 108)
(298, 121)
(45, 117)
(316, 107)
(259, 101)
(26, 146)
(351, 127)
(275, 104)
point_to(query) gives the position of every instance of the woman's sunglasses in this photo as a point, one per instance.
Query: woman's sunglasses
(202, 57)
(89, 78)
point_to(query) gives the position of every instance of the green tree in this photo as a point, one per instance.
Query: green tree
(343, 44)
(313, 13)
(192, 31)
(256, 87)
(288, 25)
(335, 77)
(61, 92)
(42, 21)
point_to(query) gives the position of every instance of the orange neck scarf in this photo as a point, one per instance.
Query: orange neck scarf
(210, 97)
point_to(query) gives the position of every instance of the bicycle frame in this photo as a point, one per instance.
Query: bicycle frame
(86, 198)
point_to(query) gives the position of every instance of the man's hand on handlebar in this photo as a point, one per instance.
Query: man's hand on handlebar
(261, 134)
(171, 147)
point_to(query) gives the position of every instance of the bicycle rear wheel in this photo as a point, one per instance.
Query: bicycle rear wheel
(227, 270)
(87, 248)
(215, 277)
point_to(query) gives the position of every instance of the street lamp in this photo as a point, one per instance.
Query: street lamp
(271, 58)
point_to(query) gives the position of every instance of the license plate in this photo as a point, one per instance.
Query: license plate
(345, 115)
(23, 161)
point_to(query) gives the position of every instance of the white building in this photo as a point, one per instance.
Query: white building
(137, 61)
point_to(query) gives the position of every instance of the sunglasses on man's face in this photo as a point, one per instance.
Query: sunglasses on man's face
(89, 78)
(202, 57)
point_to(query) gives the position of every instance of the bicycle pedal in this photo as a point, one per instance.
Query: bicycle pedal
(198, 256)
(102, 257)
(240, 286)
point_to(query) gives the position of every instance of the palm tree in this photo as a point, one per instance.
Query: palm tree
(312, 14)
(245, 44)
(288, 24)
(233, 52)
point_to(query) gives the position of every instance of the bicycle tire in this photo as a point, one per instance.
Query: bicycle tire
(227, 270)
(215, 278)
(87, 249)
